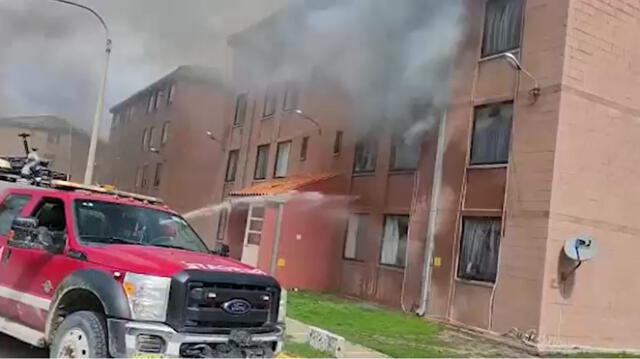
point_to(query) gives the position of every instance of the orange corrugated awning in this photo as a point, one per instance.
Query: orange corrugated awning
(282, 185)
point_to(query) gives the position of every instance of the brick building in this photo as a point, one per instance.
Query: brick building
(521, 174)
(64, 145)
(159, 143)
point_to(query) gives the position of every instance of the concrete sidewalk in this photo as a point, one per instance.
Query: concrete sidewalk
(300, 332)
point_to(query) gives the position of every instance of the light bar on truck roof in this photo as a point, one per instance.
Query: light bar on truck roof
(72, 186)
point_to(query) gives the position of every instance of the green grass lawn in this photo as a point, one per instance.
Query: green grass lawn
(303, 350)
(391, 332)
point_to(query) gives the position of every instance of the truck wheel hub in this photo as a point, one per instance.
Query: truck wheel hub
(74, 345)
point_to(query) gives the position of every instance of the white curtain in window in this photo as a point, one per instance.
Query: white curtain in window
(282, 161)
(391, 241)
(479, 249)
(502, 26)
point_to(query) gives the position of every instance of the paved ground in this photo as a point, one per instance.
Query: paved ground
(11, 348)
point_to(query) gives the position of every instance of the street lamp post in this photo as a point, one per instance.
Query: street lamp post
(91, 157)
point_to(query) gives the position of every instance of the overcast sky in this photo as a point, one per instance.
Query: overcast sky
(51, 54)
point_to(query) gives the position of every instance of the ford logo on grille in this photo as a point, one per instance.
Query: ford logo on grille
(237, 307)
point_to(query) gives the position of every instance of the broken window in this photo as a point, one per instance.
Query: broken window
(365, 156)
(165, 133)
(337, 143)
(394, 240)
(232, 166)
(270, 101)
(356, 236)
(158, 176)
(282, 159)
(262, 160)
(405, 154)
(502, 26)
(491, 134)
(241, 110)
(291, 97)
(303, 148)
(478, 258)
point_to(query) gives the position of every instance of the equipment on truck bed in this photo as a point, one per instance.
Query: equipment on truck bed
(29, 168)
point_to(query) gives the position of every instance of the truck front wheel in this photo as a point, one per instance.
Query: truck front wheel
(81, 335)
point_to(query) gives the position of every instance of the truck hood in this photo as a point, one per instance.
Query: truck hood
(162, 261)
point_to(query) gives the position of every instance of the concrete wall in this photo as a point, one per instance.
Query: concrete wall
(594, 184)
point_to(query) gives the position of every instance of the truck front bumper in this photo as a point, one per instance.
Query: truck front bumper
(124, 338)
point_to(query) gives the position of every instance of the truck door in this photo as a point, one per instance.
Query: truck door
(35, 272)
(11, 207)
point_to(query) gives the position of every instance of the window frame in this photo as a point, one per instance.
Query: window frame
(497, 53)
(270, 103)
(171, 94)
(266, 148)
(164, 135)
(151, 101)
(337, 143)
(395, 142)
(157, 177)
(150, 140)
(304, 148)
(143, 182)
(236, 155)
(237, 121)
(291, 88)
(458, 262)
(279, 147)
(223, 219)
(144, 139)
(473, 132)
(357, 258)
(406, 248)
(369, 142)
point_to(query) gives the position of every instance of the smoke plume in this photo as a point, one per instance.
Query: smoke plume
(393, 58)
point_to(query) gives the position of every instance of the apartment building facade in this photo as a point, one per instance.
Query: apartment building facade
(56, 139)
(166, 141)
(521, 173)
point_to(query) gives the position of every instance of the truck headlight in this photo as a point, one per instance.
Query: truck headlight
(282, 310)
(148, 296)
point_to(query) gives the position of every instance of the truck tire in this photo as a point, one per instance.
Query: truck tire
(81, 335)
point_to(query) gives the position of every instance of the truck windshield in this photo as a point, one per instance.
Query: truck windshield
(114, 223)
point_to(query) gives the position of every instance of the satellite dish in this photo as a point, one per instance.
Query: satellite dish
(581, 248)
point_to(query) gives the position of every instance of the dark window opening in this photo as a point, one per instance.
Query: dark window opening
(502, 26)
(143, 182)
(337, 143)
(158, 177)
(262, 160)
(365, 156)
(241, 110)
(479, 248)
(303, 148)
(394, 240)
(492, 134)
(232, 166)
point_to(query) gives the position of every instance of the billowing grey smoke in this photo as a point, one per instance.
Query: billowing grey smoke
(50, 53)
(393, 57)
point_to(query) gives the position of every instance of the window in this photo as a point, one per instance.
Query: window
(150, 139)
(53, 138)
(145, 139)
(158, 176)
(132, 112)
(502, 26)
(404, 155)
(478, 258)
(151, 103)
(262, 159)
(337, 143)
(491, 134)
(10, 209)
(303, 148)
(365, 156)
(222, 224)
(232, 166)
(356, 236)
(241, 110)
(51, 215)
(143, 182)
(291, 97)
(172, 94)
(282, 159)
(394, 240)
(270, 101)
(114, 123)
(165, 134)
(139, 177)
(161, 99)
